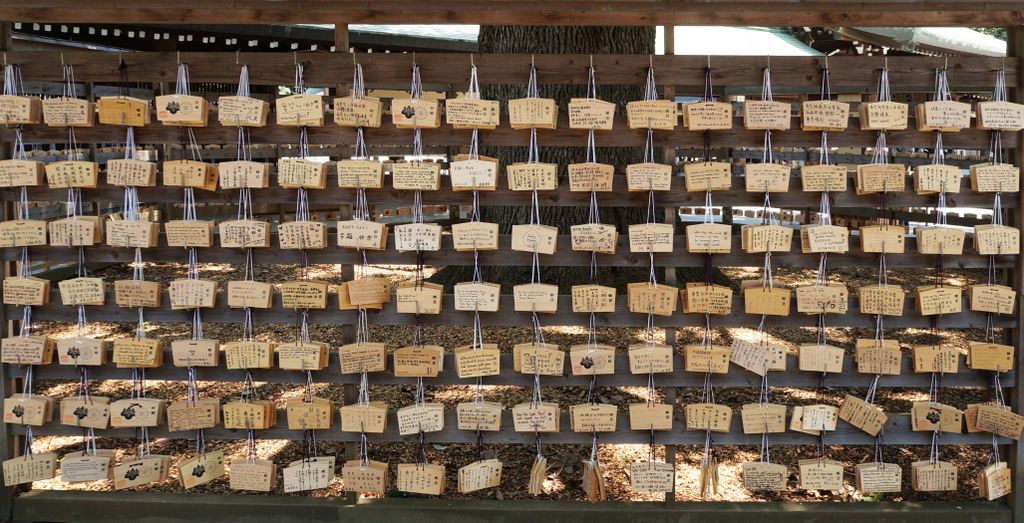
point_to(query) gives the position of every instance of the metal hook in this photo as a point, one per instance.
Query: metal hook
(826, 61)
(945, 64)
(533, 60)
(886, 63)
(768, 61)
(650, 61)
(62, 59)
(709, 61)
(471, 62)
(591, 61)
(414, 58)
(237, 53)
(178, 53)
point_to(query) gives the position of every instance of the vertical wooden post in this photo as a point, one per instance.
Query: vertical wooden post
(1014, 51)
(670, 272)
(7, 383)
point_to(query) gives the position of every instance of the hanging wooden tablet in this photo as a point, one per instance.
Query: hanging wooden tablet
(475, 362)
(651, 237)
(652, 476)
(990, 356)
(593, 482)
(259, 475)
(881, 299)
(470, 175)
(136, 293)
(997, 299)
(408, 113)
(138, 472)
(707, 176)
(192, 294)
(939, 299)
(480, 475)
(189, 233)
(995, 481)
(243, 174)
(878, 357)
(822, 299)
(820, 178)
(425, 361)
(250, 415)
(138, 352)
(363, 357)
(647, 358)
(417, 237)
(21, 173)
(761, 476)
(20, 110)
(242, 111)
(648, 177)
(244, 234)
(650, 416)
(709, 238)
(535, 297)
(873, 178)
(993, 115)
(936, 178)
(712, 359)
(820, 474)
(767, 177)
(526, 113)
(707, 116)
(701, 298)
(593, 298)
(820, 358)
(939, 476)
(643, 297)
(27, 290)
(594, 237)
(863, 415)
(22, 233)
(477, 296)
(130, 233)
(123, 110)
(427, 417)
(371, 417)
(360, 174)
(542, 239)
(78, 468)
(994, 177)
(195, 353)
(190, 173)
(590, 113)
(771, 301)
(193, 415)
(22, 409)
(362, 234)
(883, 116)
(418, 298)
(888, 239)
(421, 478)
(592, 359)
(930, 416)
(303, 294)
(935, 358)
(293, 173)
(300, 110)
(708, 416)
(1000, 421)
(940, 240)
(77, 231)
(994, 239)
(373, 477)
(82, 291)
(590, 176)
(819, 417)
(878, 477)
(767, 115)
(136, 412)
(542, 417)
(659, 115)
(312, 415)
(86, 352)
(532, 176)
(479, 415)
(302, 356)
(31, 467)
(766, 238)
(27, 350)
(245, 293)
(943, 115)
(131, 173)
(345, 302)
(72, 173)
(475, 236)
(361, 111)
(302, 234)
(593, 417)
(544, 359)
(758, 357)
(763, 418)
(824, 115)
(308, 474)
(65, 111)
(416, 175)
(796, 422)
(182, 110)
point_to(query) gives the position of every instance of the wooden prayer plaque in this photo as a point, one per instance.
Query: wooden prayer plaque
(136, 293)
(592, 359)
(26, 350)
(293, 173)
(708, 416)
(362, 111)
(767, 177)
(426, 417)
(362, 234)
(939, 299)
(417, 237)
(712, 359)
(997, 299)
(477, 296)
(192, 294)
(312, 415)
(33, 410)
(943, 115)
(190, 173)
(766, 238)
(593, 298)
(995, 116)
(72, 173)
(360, 174)
(659, 115)
(883, 116)
(300, 110)
(425, 361)
(480, 475)
(590, 113)
(758, 357)
(470, 175)
(995, 177)
(541, 417)
(929, 416)
(995, 481)
(302, 234)
(308, 474)
(77, 231)
(132, 233)
(248, 354)
(421, 478)
(244, 234)
(82, 291)
(542, 239)
(527, 113)
(822, 299)
(873, 178)
(936, 178)
(123, 110)
(239, 174)
(824, 115)
(138, 472)
(138, 352)
(818, 417)
(767, 115)
(939, 476)
(761, 476)
(22, 233)
(475, 236)
(31, 467)
(1000, 421)
(255, 294)
(763, 418)
(996, 239)
(423, 298)
(881, 299)
(651, 237)
(371, 418)
(648, 177)
(644, 298)
(476, 362)
(650, 416)
(544, 359)
(823, 178)
(182, 110)
(372, 477)
(76, 467)
(356, 358)
(242, 111)
(935, 358)
(888, 239)
(594, 237)
(532, 176)
(593, 417)
(652, 476)
(411, 113)
(189, 233)
(707, 176)
(709, 238)
(820, 474)
(878, 357)
(863, 415)
(820, 358)
(707, 116)
(21, 173)
(701, 298)
(990, 356)
(131, 173)
(590, 176)
(189, 415)
(20, 110)
(137, 412)
(416, 175)
(195, 353)
(259, 475)
(940, 240)
(772, 301)
(26, 291)
(63, 111)
(303, 294)
(877, 477)
(86, 352)
(366, 292)
(479, 415)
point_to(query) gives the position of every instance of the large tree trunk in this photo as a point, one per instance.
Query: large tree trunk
(565, 40)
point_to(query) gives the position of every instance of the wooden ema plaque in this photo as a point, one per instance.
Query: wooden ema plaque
(863, 415)
(1000, 421)
(300, 110)
(244, 234)
(425, 361)
(140, 471)
(935, 358)
(756, 239)
(767, 177)
(365, 234)
(303, 294)
(472, 113)
(255, 294)
(995, 481)
(22, 233)
(878, 477)
(542, 239)
(707, 116)
(360, 174)
(822, 299)
(659, 115)
(313, 415)
(940, 240)
(874, 178)
(250, 414)
(72, 173)
(593, 417)
(713, 359)
(366, 292)
(136, 412)
(411, 237)
(189, 233)
(195, 353)
(930, 416)
(242, 111)
(590, 113)
(994, 177)
(652, 476)
(648, 177)
(767, 115)
(939, 476)
(28, 290)
(475, 236)
(307, 474)
(312, 355)
(997, 299)
(999, 116)
(592, 359)
(477, 296)
(418, 298)
(20, 110)
(182, 110)
(990, 356)
(248, 354)
(540, 417)
(813, 419)
(709, 238)
(416, 175)
(123, 110)
(820, 474)
(824, 115)
(29, 468)
(590, 176)
(594, 237)
(26, 350)
(700, 298)
(650, 416)
(473, 174)
(77, 468)
(765, 300)
(136, 293)
(33, 410)
(883, 116)
(372, 477)
(593, 298)
(763, 418)
(86, 352)
(193, 415)
(371, 417)
(63, 111)
(707, 176)
(240, 174)
(201, 469)
(761, 476)
(543, 359)
(138, 352)
(878, 357)
(362, 111)
(650, 358)
(708, 416)
(302, 234)
(886, 300)
(476, 362)
(936, 178)
(411, 113)
(426, 417)
(192, 294)
(21, 173)
(528, 113)
(820, 358)
(642, 297)
(293, 173)
(420, 478)
(131, 233)
(888, 239)
(77, 231)
(131, 173)
(939, 299)
(943, 115)
(992, 239)
(190, 173)
(823, 178)
(82, 291)
(357, 358)
(532, 176)
(651, 237)
(758, 357)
